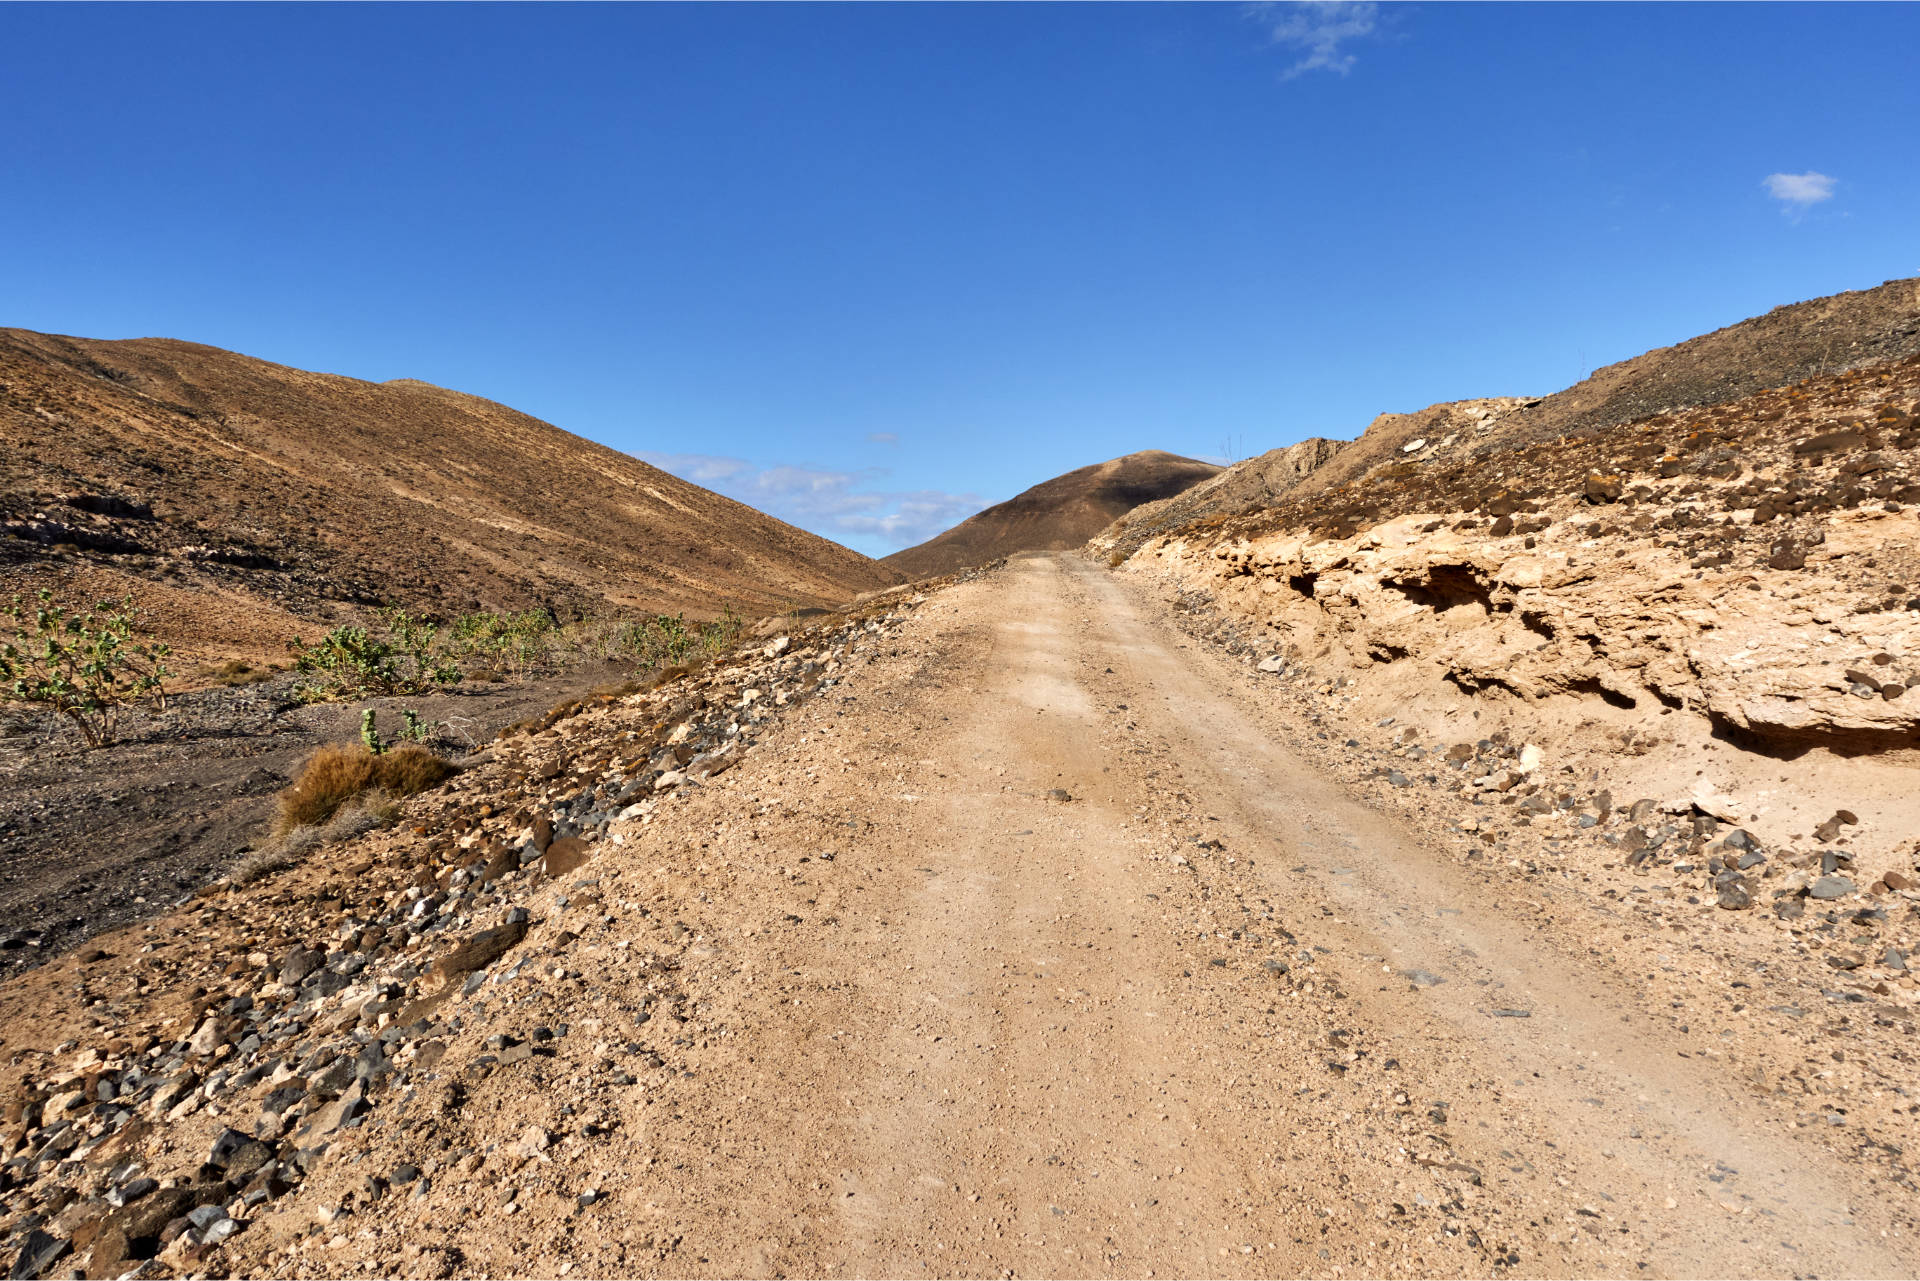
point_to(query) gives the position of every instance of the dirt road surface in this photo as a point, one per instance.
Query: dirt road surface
(1038, 947)
(1103, 979)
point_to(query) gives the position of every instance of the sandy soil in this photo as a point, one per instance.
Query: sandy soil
(1040, 945)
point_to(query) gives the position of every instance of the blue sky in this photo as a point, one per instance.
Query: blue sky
(870, 267)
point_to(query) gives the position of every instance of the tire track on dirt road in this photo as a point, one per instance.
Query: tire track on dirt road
(1139, 1006)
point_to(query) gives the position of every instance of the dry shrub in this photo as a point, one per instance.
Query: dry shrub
(1116, 560)
(336, 775)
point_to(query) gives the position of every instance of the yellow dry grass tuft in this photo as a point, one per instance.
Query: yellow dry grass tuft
(335, 775)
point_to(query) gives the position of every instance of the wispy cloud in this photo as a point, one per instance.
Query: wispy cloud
(1799, 192)
(1319, 30)
(837, 504)
(883, 437)
(701, 469)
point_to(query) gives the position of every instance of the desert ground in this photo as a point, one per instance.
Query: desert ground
(1024, 930)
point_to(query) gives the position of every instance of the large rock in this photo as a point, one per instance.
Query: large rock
(482, 950)
(566, 854)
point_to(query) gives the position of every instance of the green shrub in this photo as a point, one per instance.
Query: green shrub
(85, 667)
(666, 640)
(519, 644)
(404, 655)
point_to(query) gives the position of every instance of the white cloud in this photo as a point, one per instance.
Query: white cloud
(1318, 29)
(1799, 191)
(883, 437)
(916, 517)
(701, 469)
(836, 504)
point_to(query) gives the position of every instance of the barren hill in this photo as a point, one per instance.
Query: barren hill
(1493, 855)
(241, 495)
(1251, 483)
(1056, 514)
(1785, 345)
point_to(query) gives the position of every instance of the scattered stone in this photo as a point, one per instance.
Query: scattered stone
(208, 1039)
(1602, 488)
(128, 1193)
(299, 963)
(1830, 829)
(38, 1252)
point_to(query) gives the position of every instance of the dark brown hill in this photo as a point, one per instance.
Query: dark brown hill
(1056, 514)
(240, 497)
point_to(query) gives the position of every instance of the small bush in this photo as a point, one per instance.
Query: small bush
(335, 775)
(666, 640)
(1116, 560)
(85, 667)
(518, 645)
(401, 655)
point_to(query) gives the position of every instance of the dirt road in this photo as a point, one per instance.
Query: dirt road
(1026, 939)
(1104, 980)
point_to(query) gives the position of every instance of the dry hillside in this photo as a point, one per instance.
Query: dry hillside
(1494, 855)
(242, 500)
(1056, 514)
(1255, 482)
(1786, 345)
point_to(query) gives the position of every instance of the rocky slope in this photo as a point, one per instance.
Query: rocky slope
(1056, 514)
(1788, 344)
(1717, 609)
(243, 501)
(165, 1094)
(1249, 484)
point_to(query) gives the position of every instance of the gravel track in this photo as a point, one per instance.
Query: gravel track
(1051, 1036)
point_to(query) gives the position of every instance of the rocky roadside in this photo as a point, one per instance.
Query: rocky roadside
(219, 1091)
(1785, 959)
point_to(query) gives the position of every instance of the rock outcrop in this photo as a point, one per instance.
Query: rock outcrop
(1758, 566)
